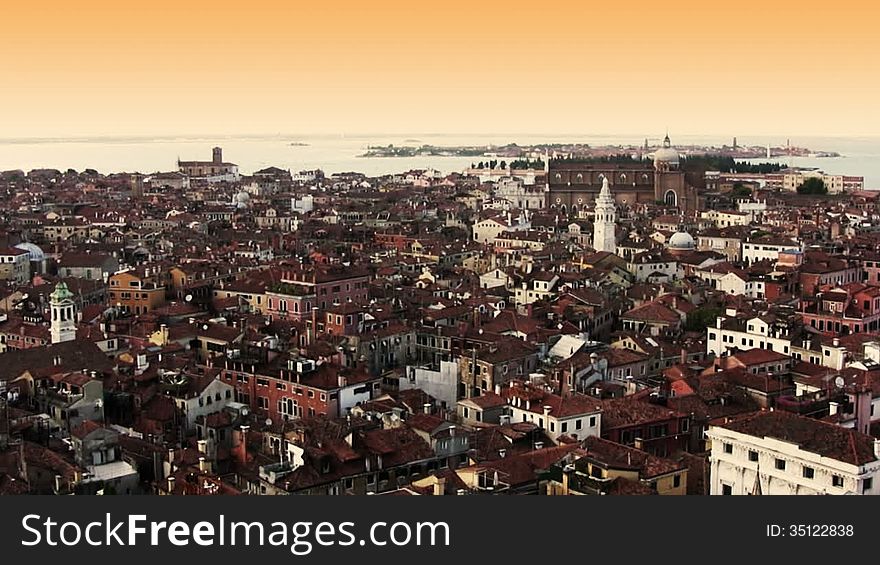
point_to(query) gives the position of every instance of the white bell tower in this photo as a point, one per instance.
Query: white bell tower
(604, 220)
(63, 314)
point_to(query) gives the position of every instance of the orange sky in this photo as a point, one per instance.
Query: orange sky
(97, 67)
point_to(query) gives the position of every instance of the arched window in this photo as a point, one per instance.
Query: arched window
(622, 177)
(580, 177)
(645, 177)
(671, 199)
(558, 176)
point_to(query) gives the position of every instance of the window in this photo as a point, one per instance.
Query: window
(592, 421)
(728, 448)
(809, 472)
(780, 464)
(837, 481)
(676, 481)
(867, 484)
(578, 424)
(726, 490)
(753, 455)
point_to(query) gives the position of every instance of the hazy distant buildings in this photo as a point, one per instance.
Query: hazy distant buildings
(213, 171)
(834, 183)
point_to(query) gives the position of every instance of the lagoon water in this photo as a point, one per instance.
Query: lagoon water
(860, 155)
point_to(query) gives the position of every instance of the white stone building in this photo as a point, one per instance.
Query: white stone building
(780, 453)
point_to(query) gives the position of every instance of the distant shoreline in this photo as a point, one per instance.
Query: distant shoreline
(515, 151)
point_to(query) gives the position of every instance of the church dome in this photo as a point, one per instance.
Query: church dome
(681, 240)
(666, 154)
(34, 252)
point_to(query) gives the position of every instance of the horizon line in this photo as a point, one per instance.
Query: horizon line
(358, 134)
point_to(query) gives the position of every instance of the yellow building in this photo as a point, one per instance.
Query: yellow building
(606, 467)
(135, 293)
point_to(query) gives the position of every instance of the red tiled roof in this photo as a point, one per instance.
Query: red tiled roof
(828, 440)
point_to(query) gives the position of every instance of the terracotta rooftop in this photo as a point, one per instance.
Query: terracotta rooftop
(822, 438)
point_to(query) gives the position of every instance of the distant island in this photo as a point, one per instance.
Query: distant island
(298, 144)
(580, 150)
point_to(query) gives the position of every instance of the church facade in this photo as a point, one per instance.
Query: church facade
(573, 185)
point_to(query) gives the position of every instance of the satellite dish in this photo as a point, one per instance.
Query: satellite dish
(839, 382)
(268, 422)
(205, 327)
(189, 297)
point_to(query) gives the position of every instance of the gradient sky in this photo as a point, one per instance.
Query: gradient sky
(96, 67)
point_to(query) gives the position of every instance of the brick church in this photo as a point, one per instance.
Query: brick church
(572, 185)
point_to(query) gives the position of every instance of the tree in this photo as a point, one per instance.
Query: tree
(702, 318)
(813, 185)
(739, 189)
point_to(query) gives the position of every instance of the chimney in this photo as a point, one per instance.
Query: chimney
(203, 446)
(204, 466)
(639, 443)
(539, 445)
(170, 484)
(863, 409)
(835, 342)
(426, 407)
(440, 486)
(502, 453)
(240, 446)
(684, 356)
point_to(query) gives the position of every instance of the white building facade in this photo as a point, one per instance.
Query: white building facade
(744, 463)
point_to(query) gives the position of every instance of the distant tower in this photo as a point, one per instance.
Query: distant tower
(218, 155)
(137, 185)
(734, 143)
(604, 220)
(546, 178)
(63, 314)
